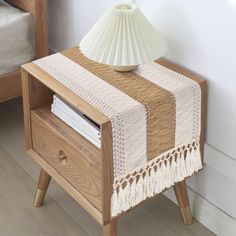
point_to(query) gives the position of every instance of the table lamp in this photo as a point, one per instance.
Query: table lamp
(123, 38)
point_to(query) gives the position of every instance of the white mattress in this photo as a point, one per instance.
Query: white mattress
(16, 38)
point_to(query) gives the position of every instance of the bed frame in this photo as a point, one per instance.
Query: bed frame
(10, 83)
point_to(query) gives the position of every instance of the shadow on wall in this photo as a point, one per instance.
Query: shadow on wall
(70, 20)
(61, 22)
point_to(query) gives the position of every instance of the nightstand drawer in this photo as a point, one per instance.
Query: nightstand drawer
(66, 152)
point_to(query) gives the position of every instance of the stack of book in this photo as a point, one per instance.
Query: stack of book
(76, 120)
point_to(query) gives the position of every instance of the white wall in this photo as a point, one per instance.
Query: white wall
(201, 36)
(70, 20)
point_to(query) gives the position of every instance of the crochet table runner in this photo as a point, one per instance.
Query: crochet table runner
(156, 119)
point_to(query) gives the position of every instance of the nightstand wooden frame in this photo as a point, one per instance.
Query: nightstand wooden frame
(38, 89)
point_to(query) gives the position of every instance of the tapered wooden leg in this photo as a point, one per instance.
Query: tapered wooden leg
(43, 182)
(110, 229)
(183, 201)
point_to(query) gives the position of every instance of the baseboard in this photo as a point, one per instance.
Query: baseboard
(219, 222)
(219, 161)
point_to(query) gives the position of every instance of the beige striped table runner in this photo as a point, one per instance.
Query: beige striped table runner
(156, 119)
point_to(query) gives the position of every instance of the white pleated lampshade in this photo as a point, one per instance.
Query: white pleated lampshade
(123, 36)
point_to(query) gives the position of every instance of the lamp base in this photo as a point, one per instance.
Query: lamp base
(124, 68)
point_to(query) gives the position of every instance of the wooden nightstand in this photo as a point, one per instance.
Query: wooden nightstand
(82, 169)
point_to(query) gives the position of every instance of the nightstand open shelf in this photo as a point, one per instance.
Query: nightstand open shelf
(82, 169)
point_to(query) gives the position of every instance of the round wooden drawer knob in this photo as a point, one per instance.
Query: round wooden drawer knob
(62, 157)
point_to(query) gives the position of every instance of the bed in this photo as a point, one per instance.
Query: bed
(23, 37)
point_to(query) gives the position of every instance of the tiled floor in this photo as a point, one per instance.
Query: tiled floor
(61, 215)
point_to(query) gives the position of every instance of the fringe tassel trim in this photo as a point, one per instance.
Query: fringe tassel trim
(158, 174)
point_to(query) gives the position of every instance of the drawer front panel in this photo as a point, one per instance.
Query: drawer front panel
(85, 176)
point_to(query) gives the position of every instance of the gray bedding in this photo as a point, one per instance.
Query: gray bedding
(16, 38)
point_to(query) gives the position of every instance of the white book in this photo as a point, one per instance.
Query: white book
(79, 123)
(80, 119)
(71, 123)
(83, 121)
